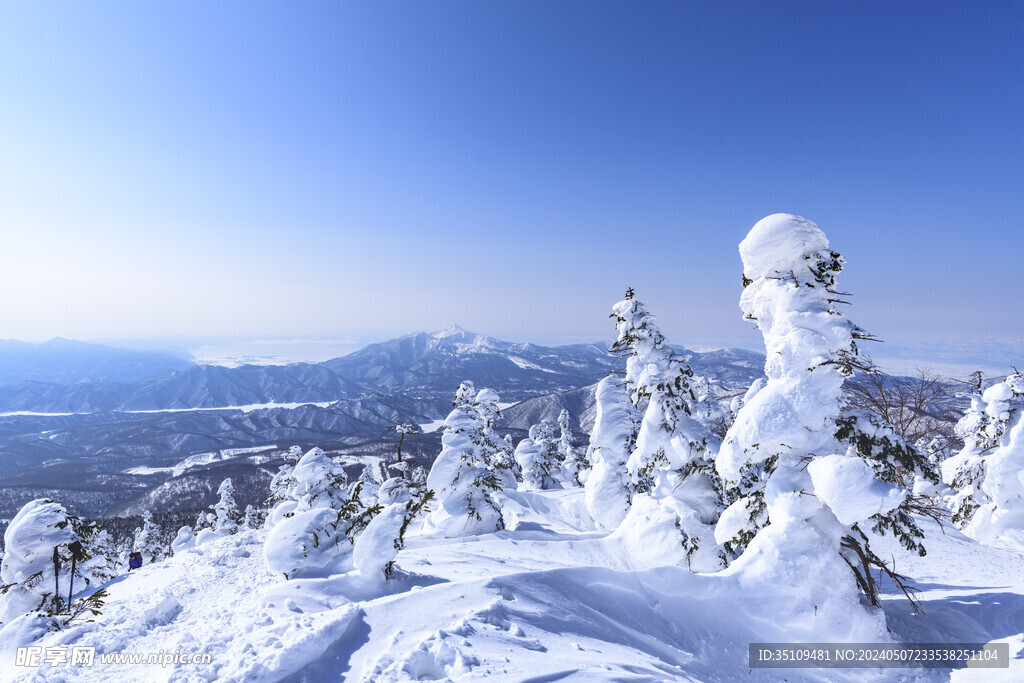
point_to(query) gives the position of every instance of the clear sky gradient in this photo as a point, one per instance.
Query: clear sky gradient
(370, 169)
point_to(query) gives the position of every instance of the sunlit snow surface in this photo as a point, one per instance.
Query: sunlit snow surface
(552, 599)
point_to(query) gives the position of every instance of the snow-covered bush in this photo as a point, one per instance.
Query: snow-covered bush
(672, 461)
(539, 460)
(802, 480)
(41, 532)
(986, 475)
(473, 464)
(378, 545)
(607, 488)
(183, 540)
(226, 509)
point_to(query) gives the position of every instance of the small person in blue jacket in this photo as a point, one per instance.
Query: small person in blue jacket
(134, 561)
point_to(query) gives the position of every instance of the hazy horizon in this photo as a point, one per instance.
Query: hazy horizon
(993, 357)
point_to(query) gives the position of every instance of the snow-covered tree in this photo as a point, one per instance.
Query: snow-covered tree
(226, 509)
(41, 532)
(989, 500)
(474, 463)
(251, 519)
(371, 478)
(283, 480)
(498, 455)
(662, 385)
(574, 462)
(402, 429)
(103, 564)
(672, 461)
(147, 540)
(312, 530)
(964, 472)
(607, 492)
(202, 522)
(802, 479)
(539, 459)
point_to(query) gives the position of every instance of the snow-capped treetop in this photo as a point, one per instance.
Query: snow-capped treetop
(406, 428)
(1000, 401)
(971, 426)
(781, 244)
(463, 395)
(487, 406)
(810, 346)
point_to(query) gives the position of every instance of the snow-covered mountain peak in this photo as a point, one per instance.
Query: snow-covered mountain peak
(455, 334)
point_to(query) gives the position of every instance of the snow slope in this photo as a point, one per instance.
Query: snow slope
(551, 598)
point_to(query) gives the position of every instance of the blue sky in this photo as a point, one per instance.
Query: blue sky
(369, 169)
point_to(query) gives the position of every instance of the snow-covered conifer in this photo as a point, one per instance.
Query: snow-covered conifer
(607, 488)
(574, 462)
(226, 509)
(371, 479)
(251, 519)
(989, 500)
(474, 463)
(672, 461)
(671, 436)
(539, 459)
(964, 472)
(802, 480)
(147, 540)
(28, 582)
(283, 480)
(103, 565)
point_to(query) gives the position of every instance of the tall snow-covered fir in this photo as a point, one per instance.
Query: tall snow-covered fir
(474, 463)
(671, 466)
(803, 479)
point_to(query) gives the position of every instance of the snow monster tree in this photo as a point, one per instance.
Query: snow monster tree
(804, 479)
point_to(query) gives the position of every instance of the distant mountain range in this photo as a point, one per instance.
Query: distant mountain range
(421, 366)
(82, 428)
(64, 361)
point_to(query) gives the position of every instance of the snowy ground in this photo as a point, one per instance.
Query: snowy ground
(551, 600)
